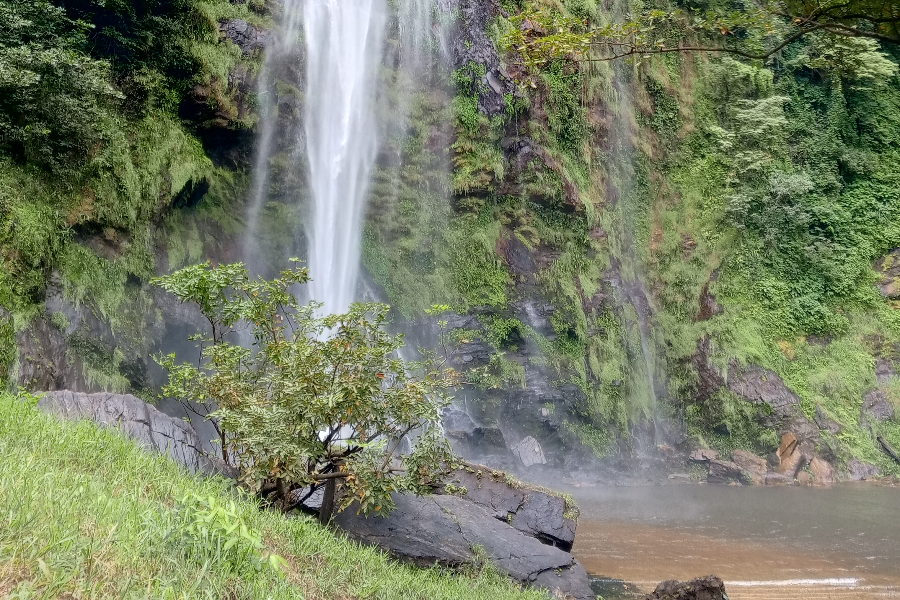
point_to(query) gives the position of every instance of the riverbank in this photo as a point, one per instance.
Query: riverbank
(840, 543)
(87, 513)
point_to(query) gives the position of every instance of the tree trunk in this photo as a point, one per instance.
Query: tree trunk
(327, 502)
(282, 492)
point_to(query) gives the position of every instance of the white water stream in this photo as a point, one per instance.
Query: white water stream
(343, 53)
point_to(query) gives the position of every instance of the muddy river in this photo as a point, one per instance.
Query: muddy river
(839, 543)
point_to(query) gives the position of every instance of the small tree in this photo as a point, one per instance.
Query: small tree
(314, 399)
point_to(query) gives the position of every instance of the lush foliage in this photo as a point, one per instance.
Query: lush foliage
(315, 398)
(88, 513)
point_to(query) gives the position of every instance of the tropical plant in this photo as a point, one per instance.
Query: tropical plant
(311, 399)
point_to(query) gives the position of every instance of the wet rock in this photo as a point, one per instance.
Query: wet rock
(444, 529)
(529, 451)
(773, 478)
(487, 439)
(861, 471)
(704, 455)
(822, 471)
(754, 467)
(876, 407)
(702, 588)
(709, 307)
(470, 44)
(245, 36)
(140, 421)
(457, 423)
(724, 472)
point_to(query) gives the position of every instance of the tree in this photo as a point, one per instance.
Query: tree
(757, 31)
(314, 399)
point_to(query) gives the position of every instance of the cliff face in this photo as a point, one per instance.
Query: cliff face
(638, 252)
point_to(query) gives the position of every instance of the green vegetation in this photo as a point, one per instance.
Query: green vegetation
(87, 513)
(315, 398)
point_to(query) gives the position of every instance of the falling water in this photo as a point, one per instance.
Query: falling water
(343, 47)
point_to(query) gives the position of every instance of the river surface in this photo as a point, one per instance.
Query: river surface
(839, 543)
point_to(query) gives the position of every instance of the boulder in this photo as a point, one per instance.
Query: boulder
(773, 478)
(154, 430)
(791, 459)
(703, 455)
(860, 471)
(753, 466)
(821, 470)
(724, 472)
(702, 588)
(529, 451)
(533, 512)
(446, 530)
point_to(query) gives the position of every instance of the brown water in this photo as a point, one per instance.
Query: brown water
(837, 543)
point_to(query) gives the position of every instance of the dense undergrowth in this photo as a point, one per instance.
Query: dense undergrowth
(88, 514)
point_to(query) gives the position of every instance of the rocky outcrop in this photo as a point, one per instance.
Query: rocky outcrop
(784, 468)
(861, 471)
(533, 512)
(753, 467)
(454, 531)
(757, 385)
(244, 35)
(140, 421)
(470, 44)
(702, 588)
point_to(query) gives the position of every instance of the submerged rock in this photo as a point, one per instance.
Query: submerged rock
(702, 588)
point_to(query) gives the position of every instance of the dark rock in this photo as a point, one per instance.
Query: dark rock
(245, 36)
(753, 466)
(470, 44)
(457, 423)
(532, 512)
(884, 371)
(445, 529)
(702, 588)
(140, 421)
(773, 478)
(487, 439)
(860, 471)
(826, 423)
(704, 455)
(876, 407)
(724, 472)
(758, 385)
(709, 307)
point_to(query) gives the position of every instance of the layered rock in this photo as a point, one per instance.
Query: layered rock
(154, 430)
(454, 531)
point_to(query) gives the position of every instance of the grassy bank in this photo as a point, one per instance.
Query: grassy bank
(84, 513)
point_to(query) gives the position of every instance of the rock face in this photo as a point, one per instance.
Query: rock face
(529, 452)
(140, 421)
(860, 471)
(753, 467)
(446, 530)
(532, 512)
(244, 35)
(876, 407)
(702, 588)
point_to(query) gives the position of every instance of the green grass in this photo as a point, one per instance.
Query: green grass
(85, 513)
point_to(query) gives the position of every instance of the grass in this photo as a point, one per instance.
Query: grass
(85, 513)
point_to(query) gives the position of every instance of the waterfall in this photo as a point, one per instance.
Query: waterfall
(343, 49)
